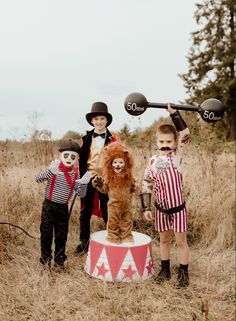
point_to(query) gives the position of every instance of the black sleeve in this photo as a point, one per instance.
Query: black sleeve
(178, 121)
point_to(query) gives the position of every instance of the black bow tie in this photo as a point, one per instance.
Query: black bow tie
(103, 135)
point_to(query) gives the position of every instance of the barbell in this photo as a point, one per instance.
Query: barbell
(211, 110)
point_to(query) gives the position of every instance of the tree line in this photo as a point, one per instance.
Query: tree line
(212, 59)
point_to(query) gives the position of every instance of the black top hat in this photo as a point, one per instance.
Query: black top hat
(99, 109)
(69, 145)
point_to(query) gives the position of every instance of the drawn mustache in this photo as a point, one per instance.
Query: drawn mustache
(165, 148)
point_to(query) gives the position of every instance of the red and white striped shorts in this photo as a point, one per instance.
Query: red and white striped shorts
(177, 222)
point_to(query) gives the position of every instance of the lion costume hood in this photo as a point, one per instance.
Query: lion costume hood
(111, 152)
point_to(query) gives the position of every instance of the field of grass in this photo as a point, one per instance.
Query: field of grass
(29, 293)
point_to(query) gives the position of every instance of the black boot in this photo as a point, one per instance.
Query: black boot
(182, 278)
(59, 266)
(46, 263)
(82, 247)
(164, 274)
(59, 262)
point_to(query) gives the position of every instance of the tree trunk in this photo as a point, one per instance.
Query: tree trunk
(232, 125)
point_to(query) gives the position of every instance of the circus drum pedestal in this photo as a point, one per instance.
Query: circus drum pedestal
(123, 262)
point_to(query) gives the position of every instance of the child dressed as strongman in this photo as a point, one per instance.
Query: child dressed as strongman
(63, 179)
(163, 175)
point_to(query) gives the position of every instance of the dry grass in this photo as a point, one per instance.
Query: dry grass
(29, 293)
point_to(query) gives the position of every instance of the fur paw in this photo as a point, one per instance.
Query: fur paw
(97, 181)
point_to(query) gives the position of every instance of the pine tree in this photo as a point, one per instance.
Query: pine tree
(212, 58)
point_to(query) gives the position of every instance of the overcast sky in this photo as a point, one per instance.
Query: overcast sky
(60, 56)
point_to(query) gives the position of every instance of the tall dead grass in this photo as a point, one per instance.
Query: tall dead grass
(28, 293)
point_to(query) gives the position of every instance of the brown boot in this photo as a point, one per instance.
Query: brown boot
(182, 278)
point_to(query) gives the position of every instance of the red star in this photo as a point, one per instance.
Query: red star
(149, 267)
(128, 272)
(102, 270)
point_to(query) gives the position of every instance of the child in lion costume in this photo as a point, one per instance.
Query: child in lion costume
(117, 181)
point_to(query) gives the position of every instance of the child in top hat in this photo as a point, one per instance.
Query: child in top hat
(163, 175)
(63, 179)
(92, 145)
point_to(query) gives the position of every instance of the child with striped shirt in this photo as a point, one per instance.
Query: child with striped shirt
(63, 180)
(163, 175)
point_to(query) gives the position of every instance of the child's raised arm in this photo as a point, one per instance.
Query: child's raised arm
(48, 173)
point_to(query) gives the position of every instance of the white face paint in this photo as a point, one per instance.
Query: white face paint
(118, 165)
(69, 158)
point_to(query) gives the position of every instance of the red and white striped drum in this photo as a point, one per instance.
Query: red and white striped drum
(125, 262)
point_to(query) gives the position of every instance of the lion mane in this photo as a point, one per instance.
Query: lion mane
(117, 180)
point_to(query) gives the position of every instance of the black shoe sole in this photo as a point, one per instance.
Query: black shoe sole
(80, 251)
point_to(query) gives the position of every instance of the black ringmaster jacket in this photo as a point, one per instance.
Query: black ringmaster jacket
(85, 149)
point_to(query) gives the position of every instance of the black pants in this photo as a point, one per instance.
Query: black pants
(54, 220)
(87, 209)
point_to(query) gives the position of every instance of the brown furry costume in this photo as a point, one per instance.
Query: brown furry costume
(119, 187)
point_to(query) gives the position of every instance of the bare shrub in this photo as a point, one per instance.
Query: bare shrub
(41, 141)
